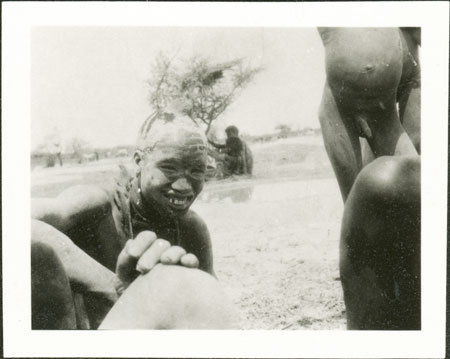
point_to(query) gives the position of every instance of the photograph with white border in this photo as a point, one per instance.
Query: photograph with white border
(85, 106)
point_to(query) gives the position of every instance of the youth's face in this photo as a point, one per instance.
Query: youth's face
(172, 176)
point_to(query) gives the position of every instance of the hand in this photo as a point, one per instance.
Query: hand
(141, 254)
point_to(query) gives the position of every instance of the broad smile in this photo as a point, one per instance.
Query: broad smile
(179, 202)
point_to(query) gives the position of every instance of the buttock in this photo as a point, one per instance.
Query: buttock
(368, 68)
(364, 66)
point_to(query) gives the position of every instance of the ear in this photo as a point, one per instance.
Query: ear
(138, 157)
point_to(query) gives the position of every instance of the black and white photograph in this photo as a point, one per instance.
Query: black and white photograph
(244, 186)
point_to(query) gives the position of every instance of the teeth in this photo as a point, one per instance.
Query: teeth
(178, 201)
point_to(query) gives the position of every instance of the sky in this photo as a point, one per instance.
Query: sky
(90, 82)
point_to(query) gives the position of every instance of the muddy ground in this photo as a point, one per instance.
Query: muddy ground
(275, 235)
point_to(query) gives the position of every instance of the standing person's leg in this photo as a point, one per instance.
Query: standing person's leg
(341, 142)
(410, 115)
(409, 94)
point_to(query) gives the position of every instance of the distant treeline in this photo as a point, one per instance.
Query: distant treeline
(46, 159)
(88, 154)
(308, 131)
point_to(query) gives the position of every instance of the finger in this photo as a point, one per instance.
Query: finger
(190, 260)
(141, 243)
(172, 255)
(128, 257)
(152, 256)
(124, 267)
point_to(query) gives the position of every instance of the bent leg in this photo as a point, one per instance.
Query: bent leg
(51, 296)
(171, 297)
(380, 246)
(86, 276)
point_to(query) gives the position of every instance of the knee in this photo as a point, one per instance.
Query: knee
(385, 199)
(194, 298)
(40, 250)
(172, 297)
(381, 223)
(389, 180)
(44, 259)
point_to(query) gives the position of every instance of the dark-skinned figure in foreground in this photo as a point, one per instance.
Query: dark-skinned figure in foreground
(132, 255)
(370, 119)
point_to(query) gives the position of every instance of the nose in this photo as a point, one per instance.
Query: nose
(182, 185)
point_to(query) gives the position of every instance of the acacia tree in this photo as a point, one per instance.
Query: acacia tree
(201, 89)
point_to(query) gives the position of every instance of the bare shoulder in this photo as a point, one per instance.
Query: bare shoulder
(193, 223)
(195, 239)
(72, 206)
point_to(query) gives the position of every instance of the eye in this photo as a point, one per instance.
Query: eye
(167, 168)
(198, 172)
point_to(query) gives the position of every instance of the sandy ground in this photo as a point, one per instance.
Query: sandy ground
(275, 235)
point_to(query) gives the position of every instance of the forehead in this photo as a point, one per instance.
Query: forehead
(178, 143)
(179, 137)
(184, 155)
(168, 134)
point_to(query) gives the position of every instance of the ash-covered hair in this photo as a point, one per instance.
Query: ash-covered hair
(162, 126)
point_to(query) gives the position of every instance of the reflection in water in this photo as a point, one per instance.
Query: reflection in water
(271, 192)
(234, 195)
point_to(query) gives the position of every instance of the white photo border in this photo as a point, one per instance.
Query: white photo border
(19, 341)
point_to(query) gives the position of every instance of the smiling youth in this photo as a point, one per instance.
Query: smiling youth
(171, 168)
(114, 237)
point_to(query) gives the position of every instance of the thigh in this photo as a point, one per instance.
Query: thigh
(409, 105)
(172, 297)
(51, 295)
(341, 142)
(409, 91)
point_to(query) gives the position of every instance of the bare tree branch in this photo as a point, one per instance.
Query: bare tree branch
(205, 89)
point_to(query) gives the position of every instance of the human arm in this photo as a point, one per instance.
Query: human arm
(235, 146)
(72, 208)
(217, 145)
(195, 239)
(53, 219)
(84, 273)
